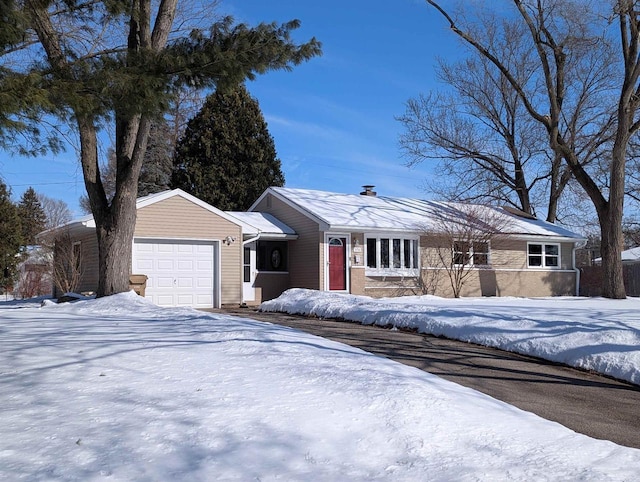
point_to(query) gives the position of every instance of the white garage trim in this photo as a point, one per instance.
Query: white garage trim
(182, 272)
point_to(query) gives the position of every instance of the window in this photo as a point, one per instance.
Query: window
(471, 254)
(246, 265)
(76, 255)
(543, 255)
(481, 254)
(385, 253)
(461, 253)
(272, 256)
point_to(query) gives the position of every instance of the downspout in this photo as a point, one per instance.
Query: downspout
(577, 270)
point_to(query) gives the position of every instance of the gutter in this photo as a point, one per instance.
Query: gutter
(251, 240)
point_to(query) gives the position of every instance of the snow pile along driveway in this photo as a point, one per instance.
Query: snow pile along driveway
(589, 333)
(118, 389)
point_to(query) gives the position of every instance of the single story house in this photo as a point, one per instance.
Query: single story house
(196, 255)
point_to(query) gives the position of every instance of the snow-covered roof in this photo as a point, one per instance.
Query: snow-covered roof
(631, 255)
(88, 221)
(262, 223)
(628, 256)
(382, 213)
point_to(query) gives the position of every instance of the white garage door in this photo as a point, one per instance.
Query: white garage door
(181, 273)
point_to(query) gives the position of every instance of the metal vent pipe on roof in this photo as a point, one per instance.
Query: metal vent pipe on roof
(368, 190)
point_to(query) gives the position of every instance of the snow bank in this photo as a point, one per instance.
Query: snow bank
(593, 334)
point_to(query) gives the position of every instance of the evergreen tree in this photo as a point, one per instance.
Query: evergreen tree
(227, 156)
(115, 65)
(32, 216)
(10, 237)
(155, 174)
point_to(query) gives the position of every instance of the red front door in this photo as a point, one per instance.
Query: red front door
(337, 264)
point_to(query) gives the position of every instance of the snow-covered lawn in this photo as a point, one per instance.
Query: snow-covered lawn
(117, 389)
(590, 333)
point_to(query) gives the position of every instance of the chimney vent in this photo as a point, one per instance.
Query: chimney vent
(368, 190)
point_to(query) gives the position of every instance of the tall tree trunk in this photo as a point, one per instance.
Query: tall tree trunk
(115, 240)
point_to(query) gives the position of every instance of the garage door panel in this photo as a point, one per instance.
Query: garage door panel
(205, 265)
(143, 265)
(184, 265)
(180, 273)
(205, 283)
(185, 283)
(165, 264)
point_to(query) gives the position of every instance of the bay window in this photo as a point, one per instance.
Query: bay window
(390, 255)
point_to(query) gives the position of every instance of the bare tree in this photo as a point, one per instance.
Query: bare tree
(67, 268)
(568, 40)
(460, 239)
(56, 211)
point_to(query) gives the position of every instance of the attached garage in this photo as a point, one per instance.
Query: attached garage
(180, 272)
(191, 253)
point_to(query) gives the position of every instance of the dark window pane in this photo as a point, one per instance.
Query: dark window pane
(384, 253)
(247, 274)
(371, 253)
(535, 249)
(535, 260)
(551, 261)
(272, 255)
(407, 253)
(396, 253)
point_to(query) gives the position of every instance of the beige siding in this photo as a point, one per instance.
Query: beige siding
(89, 261)
(305, 253)
(179, 218)
(270, 286)
(508, 254)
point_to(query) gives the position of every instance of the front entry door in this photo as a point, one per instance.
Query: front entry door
(338, 264)
(249, 272)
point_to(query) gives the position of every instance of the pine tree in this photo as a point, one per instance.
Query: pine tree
(155, 174)
(32, 217)
(227, 156)
(10, 236)
(114, 66)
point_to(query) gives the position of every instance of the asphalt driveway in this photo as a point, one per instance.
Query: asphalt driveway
(588, 403)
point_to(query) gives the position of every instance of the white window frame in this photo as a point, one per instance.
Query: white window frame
(471, 253)
(543, 255)
(414, 255)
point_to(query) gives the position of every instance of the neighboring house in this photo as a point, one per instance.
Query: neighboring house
(34, 273)
(196, 255)
(592, 276)
(629, 256)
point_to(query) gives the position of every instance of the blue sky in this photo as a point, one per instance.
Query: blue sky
(332, 118)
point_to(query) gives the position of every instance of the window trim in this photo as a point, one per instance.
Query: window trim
(378, 270)
(543, 255)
